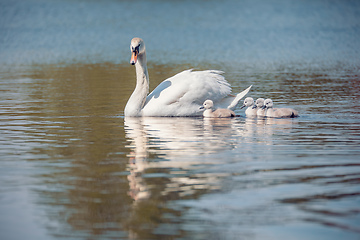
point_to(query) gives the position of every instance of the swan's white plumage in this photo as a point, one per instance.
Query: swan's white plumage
(180, 95)
(238, 97)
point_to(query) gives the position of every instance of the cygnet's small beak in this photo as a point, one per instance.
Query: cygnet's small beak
(134, 56)
(263, 107)
(201, 108)
(242, 106)
(254, 106)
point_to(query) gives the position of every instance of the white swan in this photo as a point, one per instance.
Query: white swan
(252, 109)
(218, 113)
(260, 104)
(278, 112)
(180, 95)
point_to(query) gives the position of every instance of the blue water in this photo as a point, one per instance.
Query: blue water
(227, 32)
(72, 167)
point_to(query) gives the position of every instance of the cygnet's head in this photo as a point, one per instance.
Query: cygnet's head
(260, 102)
(249, 101)
(208, 104)
(268, 103)
(137, 47)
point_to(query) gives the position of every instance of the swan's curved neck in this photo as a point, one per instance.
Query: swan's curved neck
(137, 100)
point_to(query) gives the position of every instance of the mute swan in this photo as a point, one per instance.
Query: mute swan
(260, 104)
(279, 112)
(252, 109)
(218, 113)
(179, 95)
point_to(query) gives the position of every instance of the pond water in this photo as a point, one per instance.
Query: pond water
(73, 167)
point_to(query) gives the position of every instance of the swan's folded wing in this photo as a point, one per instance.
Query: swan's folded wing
(183, 93)
(208, 84)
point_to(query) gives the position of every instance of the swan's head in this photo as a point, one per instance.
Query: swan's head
(268, 103)
(249, 101)
(260, 102)
(137, 47)
(208, 104)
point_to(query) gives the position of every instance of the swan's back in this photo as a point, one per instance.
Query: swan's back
(182, 94)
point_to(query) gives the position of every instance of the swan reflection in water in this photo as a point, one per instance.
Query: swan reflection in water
(175, 148)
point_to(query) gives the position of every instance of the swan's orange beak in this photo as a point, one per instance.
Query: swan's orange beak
(134, 56)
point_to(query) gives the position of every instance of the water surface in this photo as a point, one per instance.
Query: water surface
(72, 167)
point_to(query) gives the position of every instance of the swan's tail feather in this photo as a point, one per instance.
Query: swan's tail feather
(238, 98)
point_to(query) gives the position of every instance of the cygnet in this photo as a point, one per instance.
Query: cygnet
(218, 113)
(252, 109)
(278, 112)
(260, 104)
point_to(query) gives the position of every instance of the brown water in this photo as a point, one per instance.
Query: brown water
(72, 166)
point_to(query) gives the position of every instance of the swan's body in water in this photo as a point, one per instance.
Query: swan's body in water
(260, 104)
(278, 112)
(179, 95)
(218, 113)
(252, 108)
